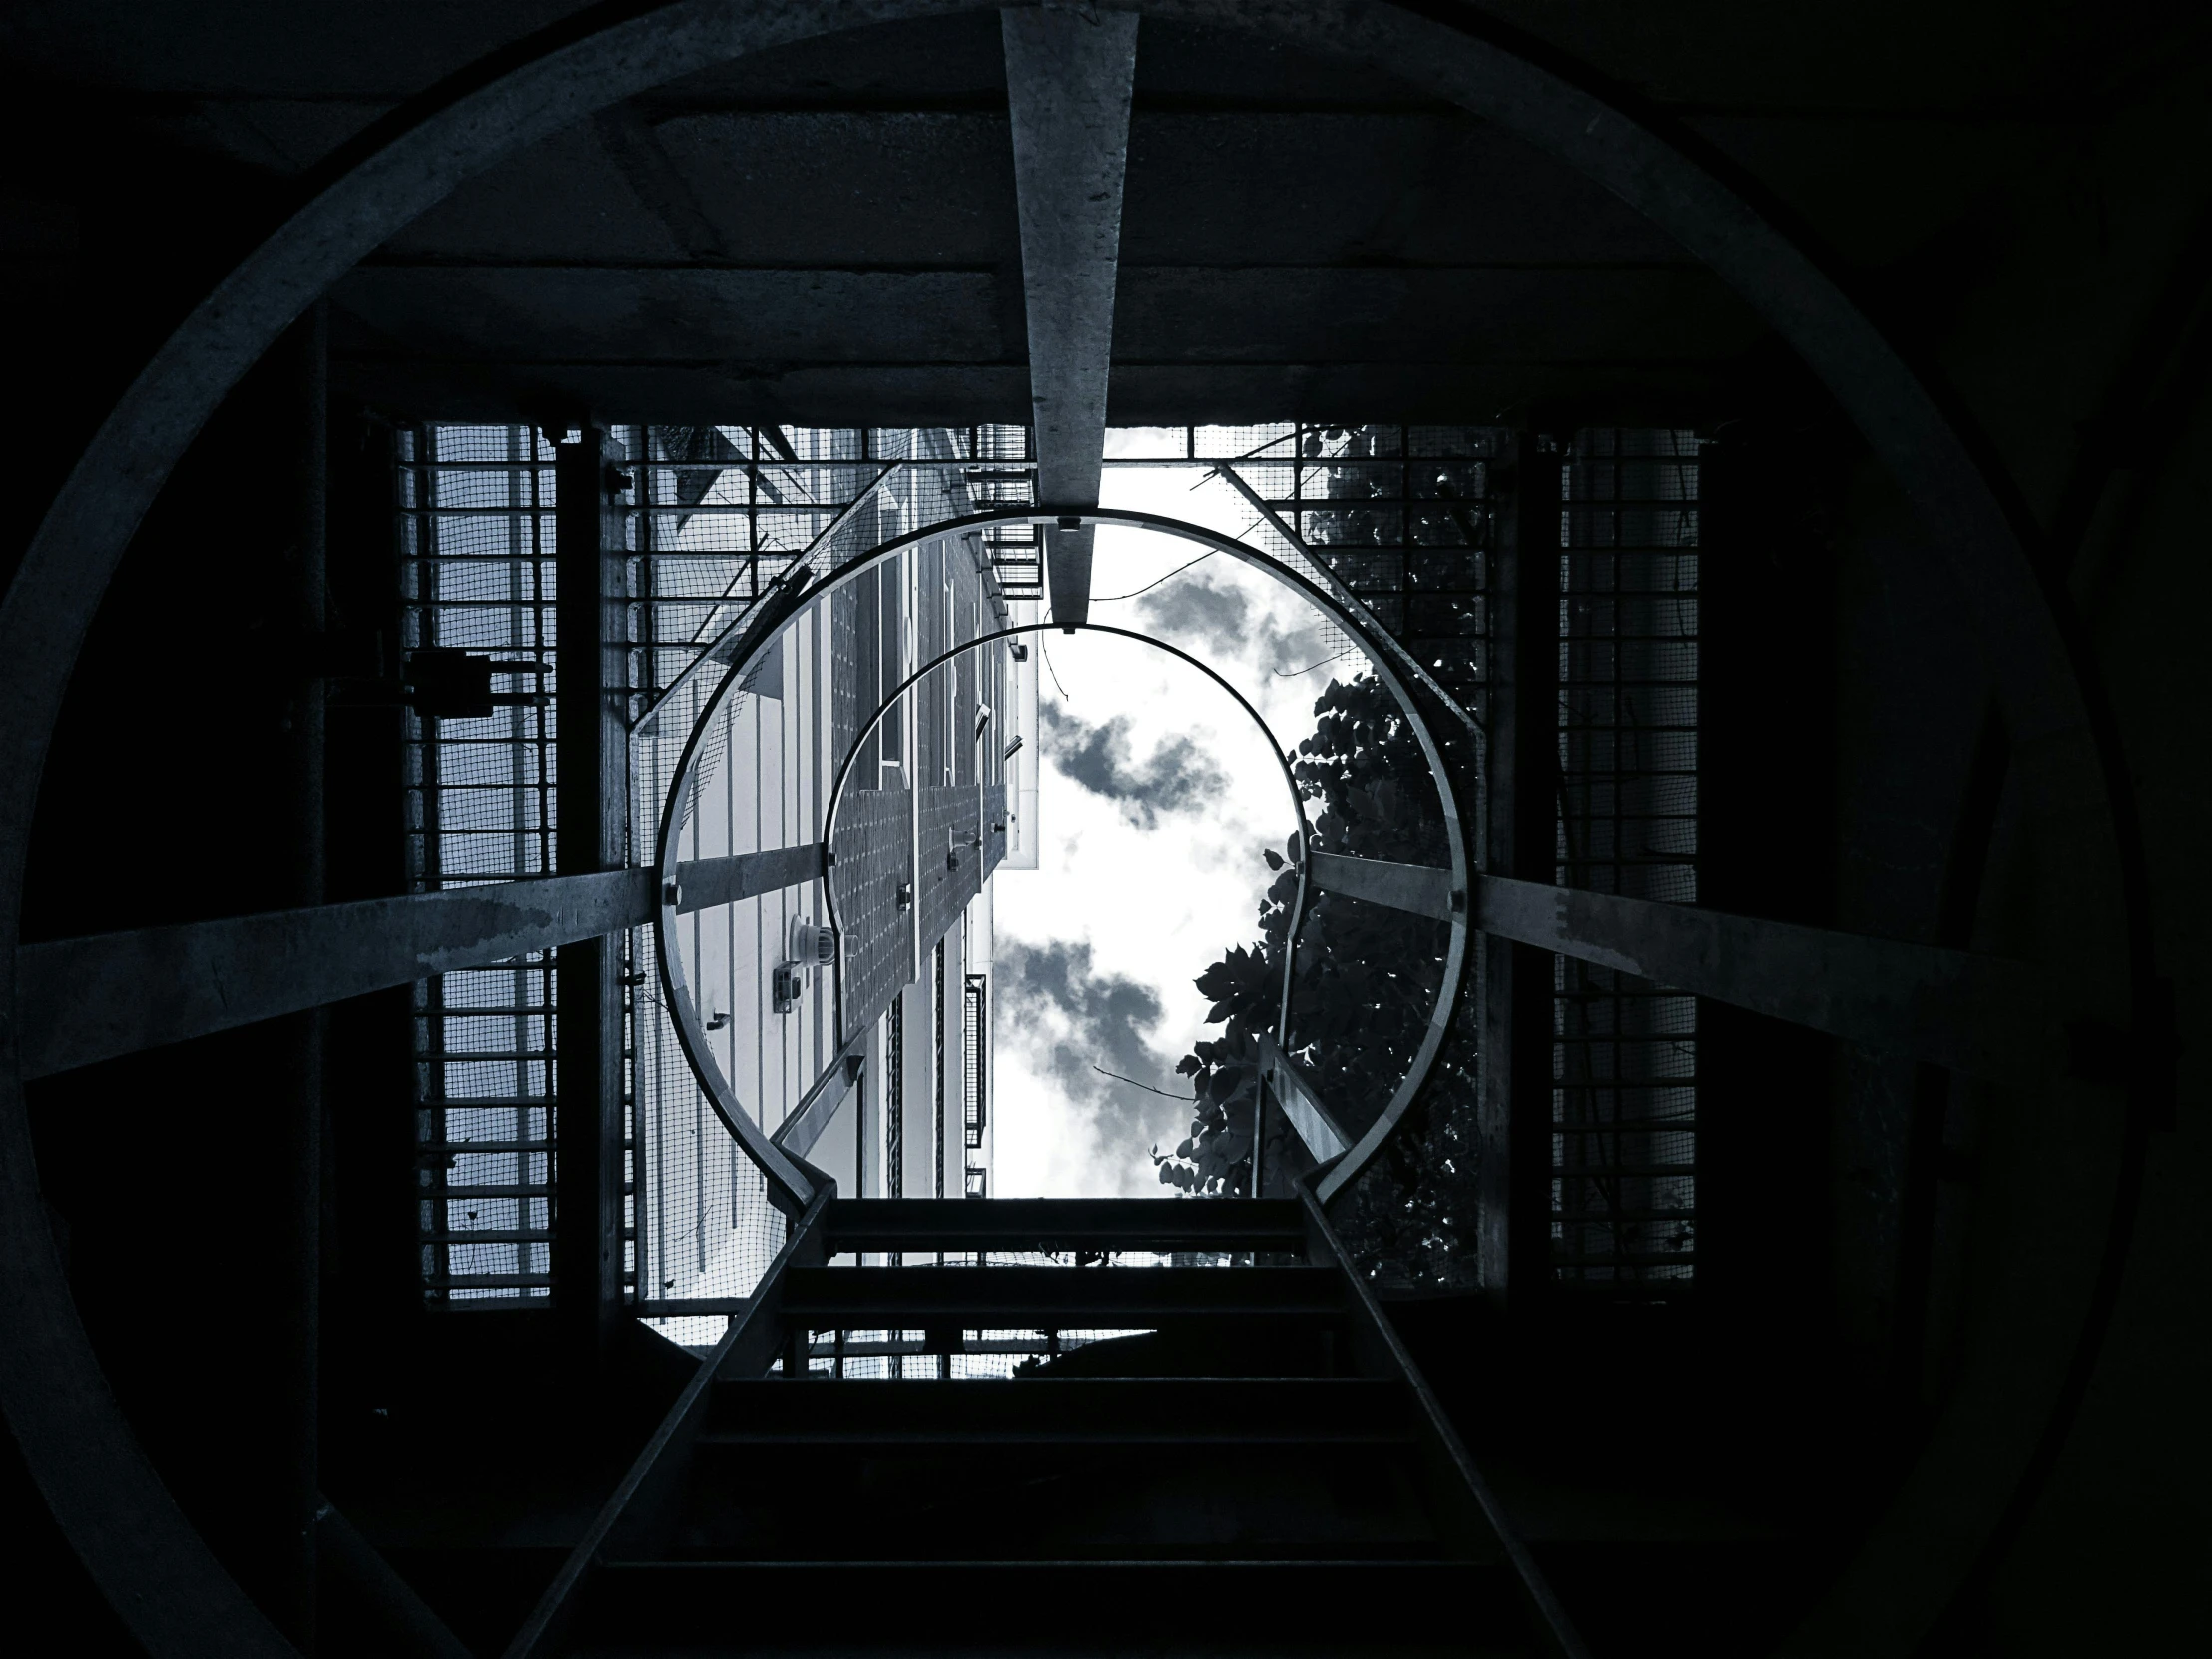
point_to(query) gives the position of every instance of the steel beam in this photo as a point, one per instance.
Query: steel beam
(1419, 890)
(593, 803)
(665, 1307)
(80, 1001)
(706, 882)
(799, 1132)
(1068, 78)
(1314, 1123)
(1521, 820)
(1987, 1016)
(393, 1607)
(640, 1505)
(1463, 1496)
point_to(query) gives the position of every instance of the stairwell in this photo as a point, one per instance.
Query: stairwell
(1261, 1471)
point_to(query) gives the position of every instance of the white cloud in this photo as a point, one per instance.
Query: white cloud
(1153, 903)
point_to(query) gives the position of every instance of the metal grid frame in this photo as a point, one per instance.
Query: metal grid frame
(1403, 516)
(1415, 547)
(476, 545)
(1624, 1052)
(1016, 550)
(971, 1354)
(720, 512)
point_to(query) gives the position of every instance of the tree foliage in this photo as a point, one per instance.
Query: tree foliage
(1365, 978)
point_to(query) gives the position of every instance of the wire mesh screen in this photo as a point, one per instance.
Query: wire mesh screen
(1624, 1054)
(1264, 458)
(1400, 516)
(1004, 476)
(706, 1228)
(722, 512)
(476, 571)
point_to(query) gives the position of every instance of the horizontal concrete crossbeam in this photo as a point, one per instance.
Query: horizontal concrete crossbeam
(92, 999)
(1987, 1016)
(81, 1001)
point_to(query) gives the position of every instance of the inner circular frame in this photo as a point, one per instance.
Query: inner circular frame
(792, 1184)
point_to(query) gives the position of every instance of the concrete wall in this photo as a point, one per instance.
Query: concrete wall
(2057, 282)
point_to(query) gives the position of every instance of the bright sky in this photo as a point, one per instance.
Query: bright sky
(1157, 797)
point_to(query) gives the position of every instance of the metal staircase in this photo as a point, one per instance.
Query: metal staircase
(1264, 1471)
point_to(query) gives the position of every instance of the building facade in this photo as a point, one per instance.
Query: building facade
(876, 768)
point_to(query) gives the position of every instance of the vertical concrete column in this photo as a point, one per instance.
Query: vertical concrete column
(1069, 75)
(1520, 824)
(297, 1250)
(592, 800)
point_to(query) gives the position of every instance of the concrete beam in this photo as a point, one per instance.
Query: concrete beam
(799, 1132)
(592, 797)
(702, 885)
(1987, 1016)
(1068, 79)
(1315, 1124)
(1421, 889)
(80, 1001)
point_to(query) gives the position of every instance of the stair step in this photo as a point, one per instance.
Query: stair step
(1047, 1410)
(1088, 1469)
(1403, 1609)
(1088, 1503)
(1024, 1224)
(1030, 1298)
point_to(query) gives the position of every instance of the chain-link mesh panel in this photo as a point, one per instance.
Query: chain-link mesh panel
(705, 1226)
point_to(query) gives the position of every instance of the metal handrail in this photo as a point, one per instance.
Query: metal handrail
(795, 572)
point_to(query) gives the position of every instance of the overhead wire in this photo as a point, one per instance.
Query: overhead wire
(1147, 1087)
